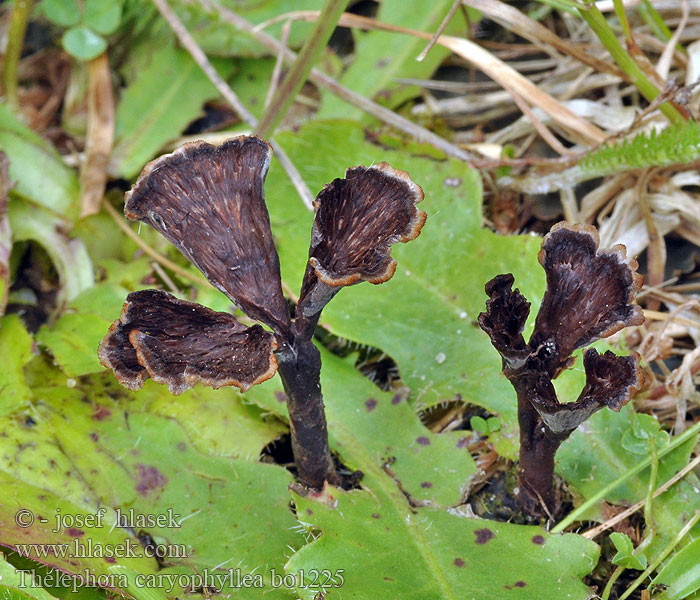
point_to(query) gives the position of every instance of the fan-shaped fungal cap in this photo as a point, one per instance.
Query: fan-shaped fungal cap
(611, 381)
(589, 292)
(209, 202)
(356, 221)
(504, 320)
(180, 343)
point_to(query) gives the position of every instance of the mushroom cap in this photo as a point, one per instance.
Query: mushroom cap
(209, 202)
(181, 343)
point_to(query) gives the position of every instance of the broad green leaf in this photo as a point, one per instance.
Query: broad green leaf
(16, 350)
(382, 56)
(5, 235)
(68, 255)
(425, 317)
(165, 96)
(83, 43)
(593, 457)
(36, 168)
(61, 12)
(207, 415)
(80, 456)
(381, 548)
(380, 434)
(102, 16)
(680, 574)
(13, 584)
(71, 339)
(74, 337)
(219, 38)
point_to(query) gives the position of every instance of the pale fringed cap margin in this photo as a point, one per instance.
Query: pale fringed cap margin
(208, 201)
(357, 219)
(589, 291)
(180, 343)
(589, 296)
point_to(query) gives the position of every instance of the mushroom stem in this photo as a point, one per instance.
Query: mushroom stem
(300, 370)
(538, 445)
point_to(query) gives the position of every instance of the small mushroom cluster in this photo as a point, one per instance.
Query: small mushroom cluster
(209, 202)
(589, 296)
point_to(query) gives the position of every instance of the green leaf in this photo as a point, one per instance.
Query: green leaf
(479, 425)
(425, 317)
(144, 122)
(645, 428)
(380, 434)
(68, 255)
(73, 339)
(16, 350)
(61, 12)
(80, 456)
(83, 43)
(382, 56)
(381, 548)
(36, 168)
(625, 553)
(102, 16)
(16, 586)
(593, 457)
(680, 574)
(218, 37)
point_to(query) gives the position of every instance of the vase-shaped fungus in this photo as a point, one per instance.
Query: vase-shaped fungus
(589, 296)
(209, 202)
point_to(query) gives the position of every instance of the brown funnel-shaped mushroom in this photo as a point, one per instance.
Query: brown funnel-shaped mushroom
(209, 202)
(181, 343)
(356, 221)
(589, 296)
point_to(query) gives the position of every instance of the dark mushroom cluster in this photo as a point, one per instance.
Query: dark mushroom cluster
(209, 202)
(589, 296)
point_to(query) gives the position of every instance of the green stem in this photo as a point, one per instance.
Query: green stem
(298, 74)
(596, 21)
(664, 553)
(613, 578)
(18, 28)
(640, 466)
(654, 21)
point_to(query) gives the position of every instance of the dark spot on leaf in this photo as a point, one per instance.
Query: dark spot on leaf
(517, 584)
(462, 442)
(423, 441)
(181, 446)
(376, 515)
(370, 404)
(281, 397)
(150, 479)
(29, 421)
(538, 539)
(458, 562)
(309, 511)
(426, 484)
(101, 413)
(110, 559)
(388, 579)
(94, 437)
(75, 532)
(483, 535)
(396, 399)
